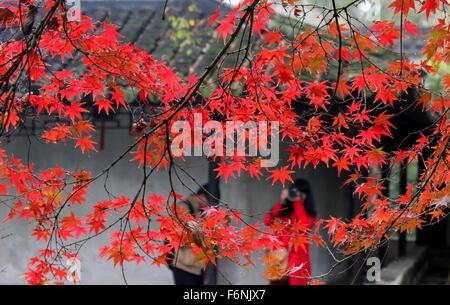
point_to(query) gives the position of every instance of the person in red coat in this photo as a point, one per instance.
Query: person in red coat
(296, 205)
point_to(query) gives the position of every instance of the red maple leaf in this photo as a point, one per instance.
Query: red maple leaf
(430, 6)
(341, 164)
(118, 97)
(74, 110)
(226, 26)
(403, 5)
(226, 170)
(105, 105)
(214, 16)
(272, 37)
(85, 143)
(281, 174)
(386, 32)
(411, 28)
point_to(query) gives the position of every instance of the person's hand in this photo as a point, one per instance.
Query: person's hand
(138, 127)
(197, 234)
(284, 195)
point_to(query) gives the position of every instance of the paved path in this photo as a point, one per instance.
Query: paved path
(438, 272)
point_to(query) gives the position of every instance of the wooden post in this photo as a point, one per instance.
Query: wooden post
(403, 186)
(385, 175)
(213, 199)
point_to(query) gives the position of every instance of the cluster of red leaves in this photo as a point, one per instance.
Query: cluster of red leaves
(345, 135)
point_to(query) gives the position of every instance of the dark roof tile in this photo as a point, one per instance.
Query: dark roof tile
(141, 22)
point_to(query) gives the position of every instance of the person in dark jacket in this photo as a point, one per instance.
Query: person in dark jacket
(186, 268)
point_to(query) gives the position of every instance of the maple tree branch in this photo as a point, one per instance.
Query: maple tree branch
(272, 93)
(163, 17)
(184, 102)
(338, 27)
(4, 80)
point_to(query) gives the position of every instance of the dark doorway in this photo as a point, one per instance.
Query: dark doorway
(435, 235)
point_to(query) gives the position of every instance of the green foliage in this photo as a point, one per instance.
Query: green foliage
(183, 28)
